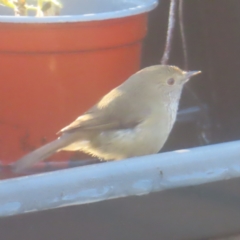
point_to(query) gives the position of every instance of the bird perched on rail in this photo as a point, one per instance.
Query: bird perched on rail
(134, 119)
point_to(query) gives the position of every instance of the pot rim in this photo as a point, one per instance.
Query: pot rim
(139, 9)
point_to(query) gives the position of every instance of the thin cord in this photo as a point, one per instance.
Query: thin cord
(171, 25)
(182, 32)
(205, 122)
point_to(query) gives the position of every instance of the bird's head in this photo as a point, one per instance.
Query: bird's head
(165, 77)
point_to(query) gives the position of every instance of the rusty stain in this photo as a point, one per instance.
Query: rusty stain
(25, 143)
(43, 140)
(13, 125)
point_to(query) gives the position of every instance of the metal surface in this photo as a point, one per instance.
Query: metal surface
(136, 176)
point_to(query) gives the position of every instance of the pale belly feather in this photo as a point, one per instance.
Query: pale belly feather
(147, 138)
(142, 140)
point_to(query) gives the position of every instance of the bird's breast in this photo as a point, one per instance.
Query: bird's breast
(146, 138)
(171, 108)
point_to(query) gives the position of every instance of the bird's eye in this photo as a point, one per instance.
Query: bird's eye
(170, 81)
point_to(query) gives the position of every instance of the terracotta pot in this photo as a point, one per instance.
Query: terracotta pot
(55, 68)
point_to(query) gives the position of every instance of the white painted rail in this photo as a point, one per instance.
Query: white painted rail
(136, 176)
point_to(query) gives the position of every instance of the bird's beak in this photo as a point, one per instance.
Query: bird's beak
(190, 74)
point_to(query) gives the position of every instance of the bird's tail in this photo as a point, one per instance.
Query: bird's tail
(41, 153)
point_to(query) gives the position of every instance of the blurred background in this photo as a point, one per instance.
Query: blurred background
(212, 101)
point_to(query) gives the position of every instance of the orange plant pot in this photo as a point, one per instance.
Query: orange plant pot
(53, 72)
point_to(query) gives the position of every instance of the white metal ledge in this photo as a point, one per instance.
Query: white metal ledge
(136, 176)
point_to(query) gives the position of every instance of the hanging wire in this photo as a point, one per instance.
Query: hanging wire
(170, 31)
(182, 33)
(203, 123)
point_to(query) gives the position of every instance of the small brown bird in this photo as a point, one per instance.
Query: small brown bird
(134, 119)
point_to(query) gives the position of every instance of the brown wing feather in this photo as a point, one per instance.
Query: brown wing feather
(108, 114)
(90, 122)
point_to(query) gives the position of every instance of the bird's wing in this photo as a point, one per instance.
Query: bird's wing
(99, 121)
(89, 122)
(111, 112)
